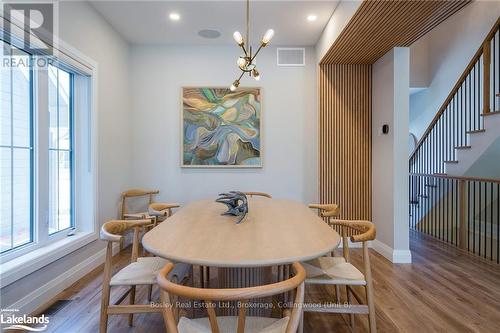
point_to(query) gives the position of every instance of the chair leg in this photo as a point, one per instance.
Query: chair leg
(350, 299)
(301, 322)
(150, 293)
(132, 301)
(337, 293)
(371, 308)
(369, 290)
(103, 323)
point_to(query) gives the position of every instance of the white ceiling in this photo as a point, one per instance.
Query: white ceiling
(147, 22)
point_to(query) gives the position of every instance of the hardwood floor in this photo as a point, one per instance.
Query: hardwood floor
(443, 290)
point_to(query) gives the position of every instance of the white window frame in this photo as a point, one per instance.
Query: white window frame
(45, 248)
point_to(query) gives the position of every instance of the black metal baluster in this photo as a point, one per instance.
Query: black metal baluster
(498, 223)
(474, 218)
(491, 220)
(473, 97)
(446, 210)
(485, 218)
(480, 215)
(468, 215)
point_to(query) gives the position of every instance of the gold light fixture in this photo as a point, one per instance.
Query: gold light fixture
(246, 62)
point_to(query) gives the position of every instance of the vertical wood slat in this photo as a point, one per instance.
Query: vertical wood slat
(345, 138)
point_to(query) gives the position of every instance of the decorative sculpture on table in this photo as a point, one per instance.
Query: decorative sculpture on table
(236, 202)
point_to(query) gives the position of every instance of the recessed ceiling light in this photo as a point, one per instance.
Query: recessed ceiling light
(209, 33)
(312, 18)
(174, 16)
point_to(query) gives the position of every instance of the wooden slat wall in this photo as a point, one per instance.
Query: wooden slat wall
(345, 138)
(379, 25)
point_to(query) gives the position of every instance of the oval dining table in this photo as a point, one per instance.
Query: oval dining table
(274, 233)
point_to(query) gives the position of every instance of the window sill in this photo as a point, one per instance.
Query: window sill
(19, 267)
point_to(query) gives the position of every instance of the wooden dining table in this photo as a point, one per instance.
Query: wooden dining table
(274, 232)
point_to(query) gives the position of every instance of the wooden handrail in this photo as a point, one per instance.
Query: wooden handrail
(473, 179)
(457, 85)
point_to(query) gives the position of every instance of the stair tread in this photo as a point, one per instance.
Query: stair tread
(490, 113)
(450, 161)
(476, 131)
(423, 196)
(463, 147)
(430, 185)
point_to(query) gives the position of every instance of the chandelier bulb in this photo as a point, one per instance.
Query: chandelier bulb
(256, 74)
(267, 37)
(238, 38)
(241, 62)
(235, 85)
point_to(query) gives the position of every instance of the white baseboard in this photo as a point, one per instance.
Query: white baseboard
(394, 256)
(356, 245)
(40, 296)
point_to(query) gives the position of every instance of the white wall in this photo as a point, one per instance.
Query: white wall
(289, 122)
(450, 47)
(389, 163)
(339, 19)
(81, 27)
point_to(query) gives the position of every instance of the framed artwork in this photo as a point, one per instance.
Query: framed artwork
(221, 128)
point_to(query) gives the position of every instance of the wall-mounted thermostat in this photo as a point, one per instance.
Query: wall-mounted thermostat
(384, 129)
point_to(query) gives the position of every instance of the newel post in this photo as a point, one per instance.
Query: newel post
(462, 217)
(486, 76)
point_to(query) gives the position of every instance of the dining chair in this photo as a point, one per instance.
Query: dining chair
(126, 196)
(141, 271)
(159, 211)
(258, 194)
(339, 271)
(326, 210)
(231, 324)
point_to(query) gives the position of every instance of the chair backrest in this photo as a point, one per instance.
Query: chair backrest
(356, 231)
(113, 230)
(259, 194)
(134, 193)
(233, 294)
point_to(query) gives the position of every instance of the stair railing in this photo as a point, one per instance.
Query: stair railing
(462, 111)
(462, 211)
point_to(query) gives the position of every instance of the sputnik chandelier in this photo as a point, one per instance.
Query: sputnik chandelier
(246, 62)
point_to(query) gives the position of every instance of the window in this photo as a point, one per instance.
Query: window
(48, 154)
(47, 180)
(16, 151)
(60, 150)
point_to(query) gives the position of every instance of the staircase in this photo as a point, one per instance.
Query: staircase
(444, 203)
(467, 122)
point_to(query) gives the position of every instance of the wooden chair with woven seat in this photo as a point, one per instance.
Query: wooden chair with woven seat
(140, 271)
(231, 324)
(339, 271)
(159, 211)
(258, 194)
(164, 208)
(326, 210)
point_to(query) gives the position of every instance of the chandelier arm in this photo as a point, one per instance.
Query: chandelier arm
(244, 50)
(242, 73)
(255, 55)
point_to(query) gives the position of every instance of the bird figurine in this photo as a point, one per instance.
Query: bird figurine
(236, 202)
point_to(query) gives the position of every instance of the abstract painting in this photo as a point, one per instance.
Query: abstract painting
(221, 128)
